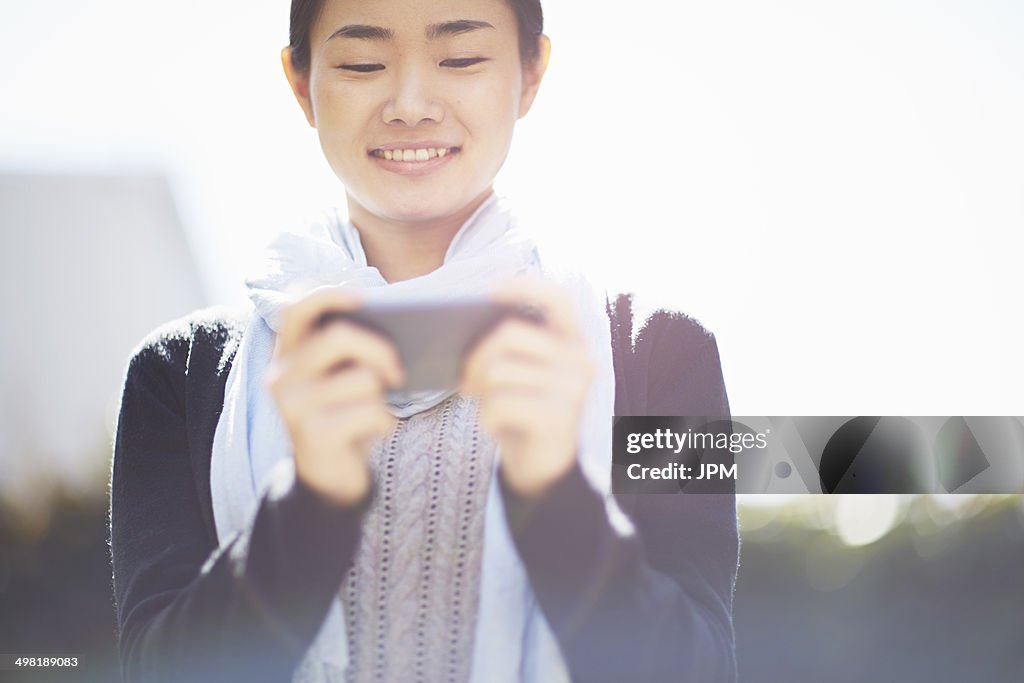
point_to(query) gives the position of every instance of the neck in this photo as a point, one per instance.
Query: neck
(402, 250)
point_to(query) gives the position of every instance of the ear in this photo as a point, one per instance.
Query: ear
(299, 81)
(533, 74)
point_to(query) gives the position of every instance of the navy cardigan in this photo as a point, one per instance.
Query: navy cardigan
(654, 606)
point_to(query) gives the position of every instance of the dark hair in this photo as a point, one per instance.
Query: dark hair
(529, 20)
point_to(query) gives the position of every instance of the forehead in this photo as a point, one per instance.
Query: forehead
(410, 19)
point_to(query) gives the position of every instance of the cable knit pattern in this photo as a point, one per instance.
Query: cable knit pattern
(412, 594)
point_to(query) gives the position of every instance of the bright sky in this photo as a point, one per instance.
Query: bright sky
(835, 189)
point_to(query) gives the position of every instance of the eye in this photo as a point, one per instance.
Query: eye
(463, 63)
(362, 68)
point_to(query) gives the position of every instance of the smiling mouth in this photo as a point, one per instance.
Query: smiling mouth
(414, 155)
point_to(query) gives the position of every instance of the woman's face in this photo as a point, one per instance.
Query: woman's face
(415, 100)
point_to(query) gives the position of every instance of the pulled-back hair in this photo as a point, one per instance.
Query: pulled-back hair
(529, 20)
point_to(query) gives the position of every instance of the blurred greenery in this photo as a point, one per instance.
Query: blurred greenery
(55, 589)
(939, 597)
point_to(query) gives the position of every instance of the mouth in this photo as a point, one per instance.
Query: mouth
(413, 154)
(409, 160)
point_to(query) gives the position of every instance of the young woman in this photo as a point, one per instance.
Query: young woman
(279, 513)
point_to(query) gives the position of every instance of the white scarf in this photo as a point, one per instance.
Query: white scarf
(513, 641)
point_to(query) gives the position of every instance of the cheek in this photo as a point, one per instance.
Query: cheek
(501, 96)
(340, 116)
(492, 109)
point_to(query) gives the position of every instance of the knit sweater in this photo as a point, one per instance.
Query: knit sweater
(651, 606)
(412, 592)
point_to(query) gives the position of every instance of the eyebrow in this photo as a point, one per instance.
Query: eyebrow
(364, 32)
(434, 31)
(454, 28)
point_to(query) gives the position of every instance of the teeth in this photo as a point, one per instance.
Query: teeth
(422, 154)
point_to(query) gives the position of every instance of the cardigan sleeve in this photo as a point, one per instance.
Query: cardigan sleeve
(654, 604)
(188, 610)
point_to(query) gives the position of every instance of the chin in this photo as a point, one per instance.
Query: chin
(410, 207)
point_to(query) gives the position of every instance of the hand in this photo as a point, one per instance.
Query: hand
(329, 386)
(532, 381)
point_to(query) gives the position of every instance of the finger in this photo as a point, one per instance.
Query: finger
(514, 375)
(343, 343)
(551, 300)
(351, 426)
(514, 339)
(300, 318)
(511, 413)
(349, 387)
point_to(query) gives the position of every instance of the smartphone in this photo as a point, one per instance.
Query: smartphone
(433, 338)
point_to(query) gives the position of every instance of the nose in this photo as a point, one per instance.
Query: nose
(412, 100)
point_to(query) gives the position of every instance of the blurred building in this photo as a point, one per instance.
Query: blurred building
(88, 265)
